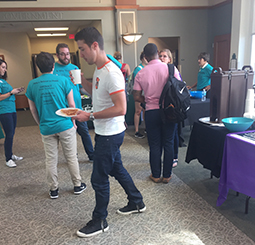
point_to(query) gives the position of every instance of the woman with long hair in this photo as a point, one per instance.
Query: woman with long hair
(165, 56)
(8, 117)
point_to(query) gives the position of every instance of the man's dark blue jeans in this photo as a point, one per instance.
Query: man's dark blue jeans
(160, 137)
(107, 161)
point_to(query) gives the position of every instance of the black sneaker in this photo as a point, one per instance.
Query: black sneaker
(130, 209)
(138, 135)
(93, 228)
(54, 194)
(79, 189)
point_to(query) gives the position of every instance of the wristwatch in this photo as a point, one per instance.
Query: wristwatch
(11, 93)
(91, 117)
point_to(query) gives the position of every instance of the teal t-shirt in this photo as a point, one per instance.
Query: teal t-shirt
(49, 93)
(204, 77)
(137, 69)
(63, 70)
(7, 105)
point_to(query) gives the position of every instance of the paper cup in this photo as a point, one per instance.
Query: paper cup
(76, 76)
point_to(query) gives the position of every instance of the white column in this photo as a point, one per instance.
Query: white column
(242, 26)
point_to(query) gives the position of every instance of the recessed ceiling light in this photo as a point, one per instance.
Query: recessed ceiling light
(52, 29)
(51, 34)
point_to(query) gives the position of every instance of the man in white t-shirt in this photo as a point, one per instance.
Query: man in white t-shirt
(109, 109)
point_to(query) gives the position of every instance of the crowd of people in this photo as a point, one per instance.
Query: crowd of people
(55, 89)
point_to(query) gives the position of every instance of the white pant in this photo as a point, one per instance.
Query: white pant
(69, 145)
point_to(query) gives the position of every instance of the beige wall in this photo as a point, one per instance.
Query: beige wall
(16, 49)
(49, 44)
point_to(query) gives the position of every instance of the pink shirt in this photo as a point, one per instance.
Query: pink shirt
(151, 79)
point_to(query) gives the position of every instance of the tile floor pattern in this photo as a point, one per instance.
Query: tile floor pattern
(175, 214)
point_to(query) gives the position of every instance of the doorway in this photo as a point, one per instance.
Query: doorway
(222, 52)
(171, 43)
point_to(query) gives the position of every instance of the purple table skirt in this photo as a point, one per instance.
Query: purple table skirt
(238, 167)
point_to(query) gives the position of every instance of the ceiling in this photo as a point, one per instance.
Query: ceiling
(28, 27)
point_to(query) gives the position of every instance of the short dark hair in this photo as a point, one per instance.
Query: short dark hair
(90, 35)
(61, 45)
(204, 56)
(5, 74)
(142, 55)
(45, 62)
(150, 50)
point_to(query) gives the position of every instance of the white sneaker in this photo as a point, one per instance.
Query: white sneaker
(11, 164)
(16, 158)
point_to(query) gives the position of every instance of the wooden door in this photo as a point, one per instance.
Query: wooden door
(222, 51)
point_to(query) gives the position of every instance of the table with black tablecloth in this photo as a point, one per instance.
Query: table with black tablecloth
(206, 144)
(197, 110)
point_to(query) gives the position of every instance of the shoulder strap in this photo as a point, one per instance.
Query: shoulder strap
(163, 93)
(171, 70)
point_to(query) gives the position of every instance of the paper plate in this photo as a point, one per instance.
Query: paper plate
(60, 112)
(206, 120)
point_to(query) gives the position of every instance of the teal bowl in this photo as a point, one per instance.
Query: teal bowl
(237, 124)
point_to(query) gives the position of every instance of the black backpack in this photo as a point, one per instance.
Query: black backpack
(174, 100)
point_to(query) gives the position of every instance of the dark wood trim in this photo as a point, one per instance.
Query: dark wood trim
(126, 6)
(125, 2)
(56, 9)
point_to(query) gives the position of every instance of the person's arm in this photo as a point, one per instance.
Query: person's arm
(118, 109)
(34, 111)
(71, 103)
(83, 91)
(14, 91)
(138, 97)
(193, 86)
(207, 87)
(128, 70)
(70, 99)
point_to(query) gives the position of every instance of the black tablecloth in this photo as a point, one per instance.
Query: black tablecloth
(197, 110)
(206, 144)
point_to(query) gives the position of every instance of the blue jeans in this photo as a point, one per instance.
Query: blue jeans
(8, 121)
(82, 130)
(107, 161)
(160, 137)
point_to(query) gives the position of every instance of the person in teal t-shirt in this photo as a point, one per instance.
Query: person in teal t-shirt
(46, 95)
(204, 74)
(138, 107)
(8, 116)
(62, 68)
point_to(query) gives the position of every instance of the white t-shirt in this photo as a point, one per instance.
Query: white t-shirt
(107, 80)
